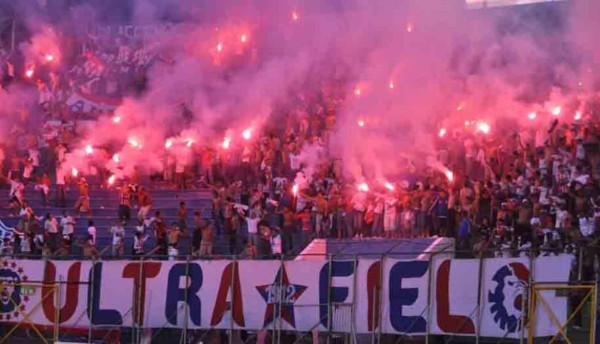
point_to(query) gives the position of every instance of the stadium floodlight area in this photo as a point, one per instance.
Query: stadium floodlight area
(502, 3)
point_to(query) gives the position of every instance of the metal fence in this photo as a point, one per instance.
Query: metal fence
(340, 329)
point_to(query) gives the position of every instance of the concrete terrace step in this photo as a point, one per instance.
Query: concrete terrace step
(29, 189)
(104, 209)
(105, 212)
(102, 221)
(113, 202)
(115, 195)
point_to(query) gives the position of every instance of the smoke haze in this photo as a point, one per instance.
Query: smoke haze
(402, 70)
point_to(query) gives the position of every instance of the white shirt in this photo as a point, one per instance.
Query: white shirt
(252, 225)
(51, 226)
(138, 244)
(117, 234)
(26, 211)
(390, 206)
(92, 231)
(276, 244)
(586, 226)
(34, 155)
(561, 217)
(68, 225)
(16, 189)
(544, 195)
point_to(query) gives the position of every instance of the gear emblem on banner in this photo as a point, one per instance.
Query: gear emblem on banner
(13, 295)
(507, 299)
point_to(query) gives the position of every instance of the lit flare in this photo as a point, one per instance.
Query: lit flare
(89, 149)
(226, 143)
(449, 175)
(483, 127)
(364, 187)
(556, 110)
(247, 134)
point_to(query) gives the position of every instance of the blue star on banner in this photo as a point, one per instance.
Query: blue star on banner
(288, 293)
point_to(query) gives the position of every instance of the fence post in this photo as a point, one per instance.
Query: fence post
(429, 286)
(593, 311)
(329, 308)
(137, 326)
(380, 315)
(231, 297)
(185, 297)
(374, 315)
(91, 292)
(479, 296)
(280, 298)
(531, 296)
(353, 313)
(580, 265)
(58, 302)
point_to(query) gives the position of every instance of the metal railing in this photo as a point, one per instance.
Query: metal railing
(276, 331)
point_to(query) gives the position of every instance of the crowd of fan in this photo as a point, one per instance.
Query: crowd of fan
(534, 190)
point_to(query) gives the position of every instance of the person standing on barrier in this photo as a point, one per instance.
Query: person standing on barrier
(138, 244)
(173, 235)
(305, 226)
(83, 202)
(275, 240)
(252, 226)
(390, 211)
(160, 230)
(67, 223)
(288, 229)
(118, 233)
(182, 215)
(378, 208)
(125, 204)
(464, 233)
(229, 222)
(60, 198)
(92, 232)
(145, 205)
(359, 205)
(51, 228)
(206, 246)
(322, 211)
(199, 223)
(440, 210)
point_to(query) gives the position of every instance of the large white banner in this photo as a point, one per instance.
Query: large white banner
(445, 296)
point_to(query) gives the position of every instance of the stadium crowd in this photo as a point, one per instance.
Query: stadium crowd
(535, 189)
